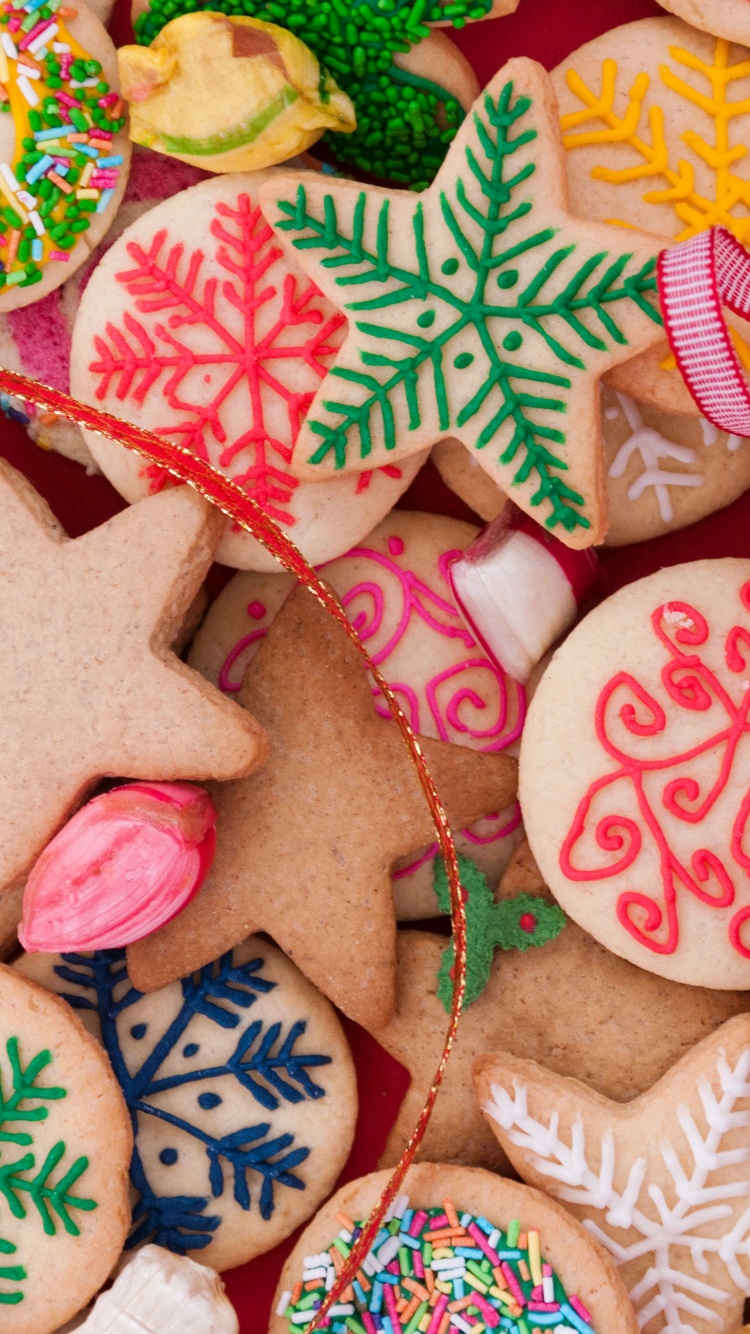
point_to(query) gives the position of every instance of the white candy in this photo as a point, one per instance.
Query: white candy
(160, 1293)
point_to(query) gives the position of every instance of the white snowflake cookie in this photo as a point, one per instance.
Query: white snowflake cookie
(240, 1088)
(664, 470)
(662, 1182)
(198, 326)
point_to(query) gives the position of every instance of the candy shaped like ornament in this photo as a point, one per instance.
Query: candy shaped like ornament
(229, 93)
(518, 590)
(123, 866)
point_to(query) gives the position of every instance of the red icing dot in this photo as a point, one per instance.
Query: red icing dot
(395, 546)
(256, 610)
(527, 922)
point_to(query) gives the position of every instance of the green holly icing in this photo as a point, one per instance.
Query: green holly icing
(512, 924)
(404, 123)
(23, 1183)
(517, 401)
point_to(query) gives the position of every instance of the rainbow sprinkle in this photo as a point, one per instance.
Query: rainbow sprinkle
(436, 1271)
(65, 116)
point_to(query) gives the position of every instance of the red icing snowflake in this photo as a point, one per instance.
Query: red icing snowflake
(258, 327)
(657, 790)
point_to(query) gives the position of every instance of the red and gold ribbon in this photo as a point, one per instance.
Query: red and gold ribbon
(245, 512)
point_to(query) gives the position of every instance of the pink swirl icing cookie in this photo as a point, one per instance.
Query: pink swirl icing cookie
(395, 589)
(198, 325)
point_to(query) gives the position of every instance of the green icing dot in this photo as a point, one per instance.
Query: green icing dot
(463, 360)
(426, 319)
(507, 279)
(513, 341)
(449, 266)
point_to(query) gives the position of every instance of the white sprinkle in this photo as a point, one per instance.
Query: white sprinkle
(346, 1309)
(302, 1317)
(458, 1323)
(548, 1288)
(309, 1274)
(284, 1301)
(9, 178)
(27, 91)
(8, 45)
(448, 1275)
(330, 1278)
(312, 1261)
(453, 1265)
(43, 38)
(388, 1251)
(27, 199)
(36, 222)
(29, 72)
(494, 1238)
(61, 48)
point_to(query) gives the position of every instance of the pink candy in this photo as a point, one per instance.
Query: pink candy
(125, 864)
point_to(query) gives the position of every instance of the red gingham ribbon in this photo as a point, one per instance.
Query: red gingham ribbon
(695, 279)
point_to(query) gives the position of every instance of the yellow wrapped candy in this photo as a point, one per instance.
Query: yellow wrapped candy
(229, 93)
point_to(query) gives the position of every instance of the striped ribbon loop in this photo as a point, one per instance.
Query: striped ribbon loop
(697, 278)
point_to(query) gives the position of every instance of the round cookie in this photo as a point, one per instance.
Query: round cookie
(664, 471)
(634, 773)
(36, 340)
(197, 325)
(241, 1090)
(654, 143)
(39, 212)
(395, 589)
(724, 18)
(66, 1142)
(497, 1213)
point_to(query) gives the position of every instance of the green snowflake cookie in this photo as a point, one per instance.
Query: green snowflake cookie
(480, 310)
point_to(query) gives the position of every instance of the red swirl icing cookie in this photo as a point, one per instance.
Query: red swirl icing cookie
(635, 773)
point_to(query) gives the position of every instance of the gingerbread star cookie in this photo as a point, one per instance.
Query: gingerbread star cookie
(621, 1047)
(88, 684)
(306, 846)
(662, 1182)
(479, 309)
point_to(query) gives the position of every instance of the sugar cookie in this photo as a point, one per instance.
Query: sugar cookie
(241, 1090)
(399, 384)
(661, 1182)
(196, 325)
(66, 1145)
(583, 1285)
(724, 18)
(655, 118)
(634, 773)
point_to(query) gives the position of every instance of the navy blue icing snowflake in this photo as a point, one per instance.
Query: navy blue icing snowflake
(263, 1062)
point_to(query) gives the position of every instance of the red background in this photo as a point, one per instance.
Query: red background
(547, 30)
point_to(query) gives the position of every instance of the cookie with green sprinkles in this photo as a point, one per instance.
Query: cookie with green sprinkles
(461, 1251)
(481, 309)
(405, 119)
(64, 152)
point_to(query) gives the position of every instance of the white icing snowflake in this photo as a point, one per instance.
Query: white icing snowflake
(653, 447)
(687, 1219)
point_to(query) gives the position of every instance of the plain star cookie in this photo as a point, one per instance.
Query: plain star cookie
(655, 118)
(198, 326)
(395, 589)
(634, 773)
(664, 471)
(57, 206)
(241, 1091)
(305, 852)
(65, 1146)
(661, 1182)
(545, 1260)
(480, 309)
(724, 18)
(533, 1006)
(89, 686)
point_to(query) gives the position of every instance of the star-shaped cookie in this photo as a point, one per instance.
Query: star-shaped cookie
(479, 309)
(572, 1005)
(88, 684)
(663, 1182)
(305, 847)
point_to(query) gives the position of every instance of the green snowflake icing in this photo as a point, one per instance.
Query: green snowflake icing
(19, 1188)
(543, 310)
